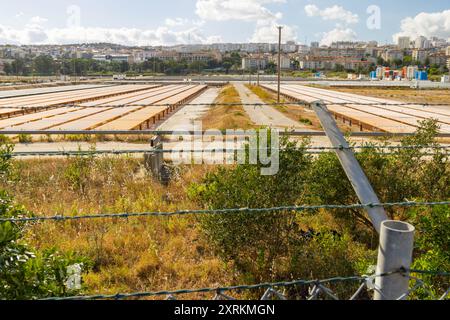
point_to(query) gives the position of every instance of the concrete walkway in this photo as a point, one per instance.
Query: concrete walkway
(184, 118)
(265, 115)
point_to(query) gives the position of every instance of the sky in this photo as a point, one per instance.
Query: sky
(170, 22)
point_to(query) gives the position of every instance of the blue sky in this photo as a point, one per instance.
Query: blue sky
(144, 22)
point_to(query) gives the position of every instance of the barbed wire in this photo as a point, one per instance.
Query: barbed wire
(285, 103)
(201, 151)
(61, 218)
(233, 132)
(322, 149)
(318, 288)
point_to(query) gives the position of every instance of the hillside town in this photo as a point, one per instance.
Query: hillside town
(394, 62)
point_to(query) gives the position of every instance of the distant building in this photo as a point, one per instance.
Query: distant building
(404, 43)
(2, 67)
(167, 55)
(250, 63)
(439, 59)
(420, 55)
(330, 63)
(114, 58)
(303, 49)
(392, 55)
(201, 56)
(285, 61)
(447, 51)
(422, 43)
(315, 44)
(411, 72)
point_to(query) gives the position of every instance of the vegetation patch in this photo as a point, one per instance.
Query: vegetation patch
(222, 117)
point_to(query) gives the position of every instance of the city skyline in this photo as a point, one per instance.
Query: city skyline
(211, 21)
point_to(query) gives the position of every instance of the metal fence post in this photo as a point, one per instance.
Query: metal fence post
(395, 253)
(154, 160)
(350, 164)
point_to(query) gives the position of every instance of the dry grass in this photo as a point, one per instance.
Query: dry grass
(127, 255)
(297, 113)
(227, 117)
(402, 94)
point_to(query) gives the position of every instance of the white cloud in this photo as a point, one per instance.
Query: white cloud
(19, 15)
(426, 24)
(338, 34)
(246, 10)
(34, 34)
(173, 31)
(332, 13)
(266, 31)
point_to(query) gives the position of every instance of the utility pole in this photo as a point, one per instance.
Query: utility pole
(279, 63)
(258, 64)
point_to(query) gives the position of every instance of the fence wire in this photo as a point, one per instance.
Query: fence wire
(61, 218)
(308, 150)
(285, 103)
(317, 289)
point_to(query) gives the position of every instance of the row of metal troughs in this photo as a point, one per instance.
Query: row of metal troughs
(123, 107)
(370, 113)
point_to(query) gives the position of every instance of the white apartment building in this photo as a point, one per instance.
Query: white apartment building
(392, 55)
(249, 63)
(420, 55)
(404, 43)
(422, 43)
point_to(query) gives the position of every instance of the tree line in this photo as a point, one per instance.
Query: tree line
(45, 65)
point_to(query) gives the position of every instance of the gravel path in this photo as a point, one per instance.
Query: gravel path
(266, 115)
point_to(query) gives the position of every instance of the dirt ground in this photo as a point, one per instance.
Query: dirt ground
(402, 94)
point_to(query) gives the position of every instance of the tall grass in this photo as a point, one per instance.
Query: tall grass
(127, 255)
(227, 117)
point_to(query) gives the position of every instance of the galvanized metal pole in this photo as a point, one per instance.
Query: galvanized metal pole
(279, 64)
(395, 253)
(352, 168)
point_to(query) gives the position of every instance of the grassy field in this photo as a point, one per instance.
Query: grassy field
(402, 94)
(227, 117)
(127, 254)
(135, 254)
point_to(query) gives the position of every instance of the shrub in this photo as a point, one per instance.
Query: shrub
(26, 273)
(25, 138)
(270, 246)
(432, 247)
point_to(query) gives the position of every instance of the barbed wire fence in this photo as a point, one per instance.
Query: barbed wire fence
(265, 104)
(316, 289)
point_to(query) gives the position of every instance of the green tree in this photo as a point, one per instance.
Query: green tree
(407, 60)
(44, 65)
(19, 67)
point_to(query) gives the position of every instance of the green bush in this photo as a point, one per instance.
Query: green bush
(26, 273)
(270, 246)
(25, 138)
(432, 247)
